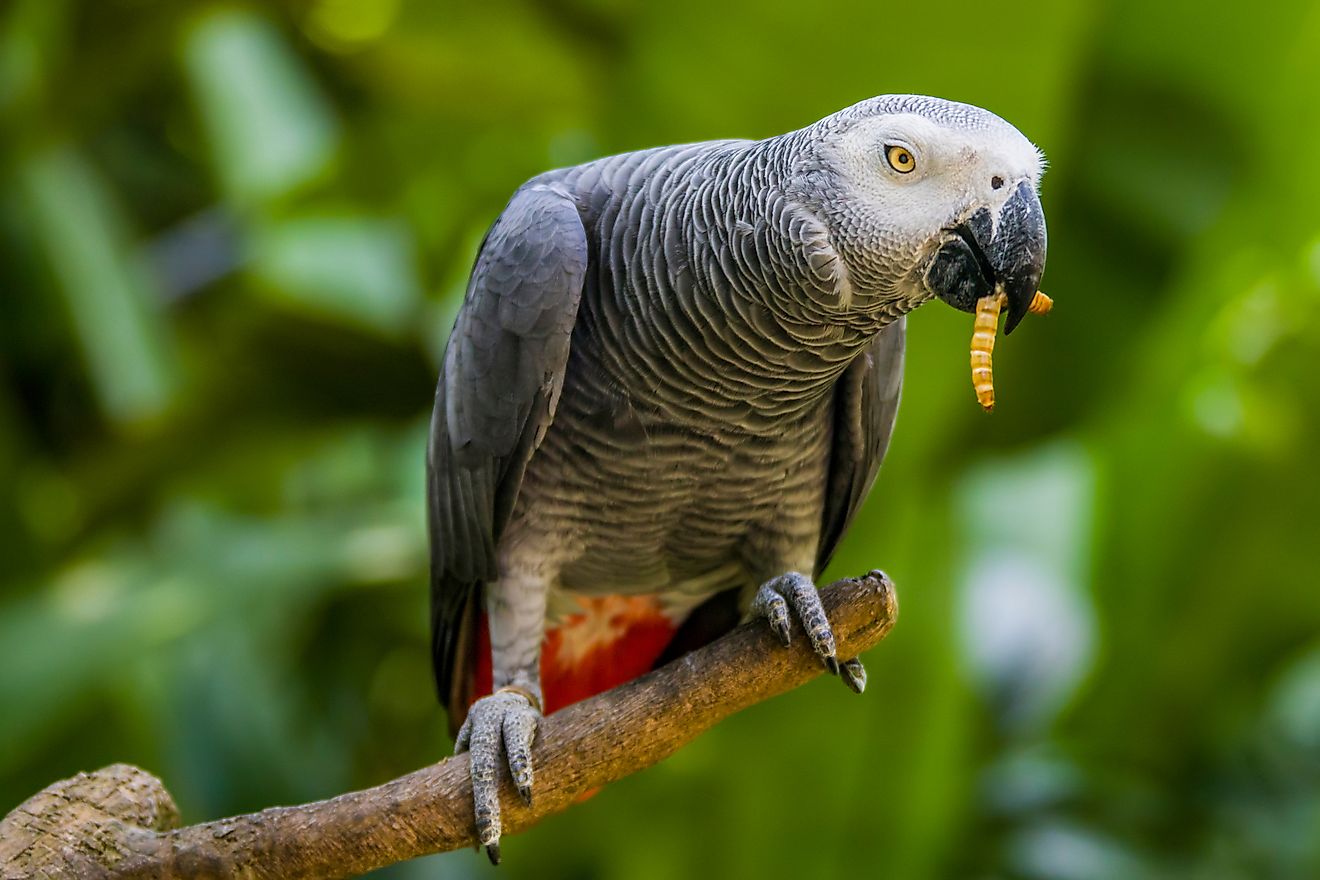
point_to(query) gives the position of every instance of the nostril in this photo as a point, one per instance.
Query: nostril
(996, 182)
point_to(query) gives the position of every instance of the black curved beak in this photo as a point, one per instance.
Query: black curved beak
(973, 261)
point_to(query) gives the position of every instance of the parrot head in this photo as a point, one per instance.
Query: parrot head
(927, 197)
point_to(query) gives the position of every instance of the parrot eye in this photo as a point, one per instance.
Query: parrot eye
(900, 159)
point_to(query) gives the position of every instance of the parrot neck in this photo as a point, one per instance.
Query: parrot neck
(729, 304)
(795, 315)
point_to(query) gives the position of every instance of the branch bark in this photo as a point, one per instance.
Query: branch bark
(120, 822)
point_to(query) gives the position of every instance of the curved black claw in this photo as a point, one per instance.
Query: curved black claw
(853, 674)
(502, 724)
(796, 591)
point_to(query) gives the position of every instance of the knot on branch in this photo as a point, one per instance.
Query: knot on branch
(85, 824)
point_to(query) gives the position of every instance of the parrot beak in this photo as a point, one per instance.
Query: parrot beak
(977, 256)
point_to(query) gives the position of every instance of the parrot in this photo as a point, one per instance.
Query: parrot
(668, 391)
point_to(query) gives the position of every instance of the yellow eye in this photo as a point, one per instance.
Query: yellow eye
(900, 159)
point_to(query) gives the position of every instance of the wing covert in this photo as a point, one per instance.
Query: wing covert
(500, 380)
(865, 406)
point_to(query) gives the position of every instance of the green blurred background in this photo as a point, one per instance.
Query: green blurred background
(232, 239)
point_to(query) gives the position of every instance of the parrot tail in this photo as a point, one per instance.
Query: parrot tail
(613, 639)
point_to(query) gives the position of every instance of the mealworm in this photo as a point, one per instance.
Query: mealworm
(984, 330)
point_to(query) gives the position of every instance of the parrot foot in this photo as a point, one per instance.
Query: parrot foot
(500, 725)
(795, 591)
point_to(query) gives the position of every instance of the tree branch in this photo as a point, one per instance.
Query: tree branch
(119, 822)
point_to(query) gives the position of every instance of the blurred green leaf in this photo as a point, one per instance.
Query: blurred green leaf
(348, 267)
(124, 340)
(268, 125)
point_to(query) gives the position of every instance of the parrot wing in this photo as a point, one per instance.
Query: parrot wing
(499, 385)
(865, 406)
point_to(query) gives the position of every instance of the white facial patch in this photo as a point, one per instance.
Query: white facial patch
(958, 164)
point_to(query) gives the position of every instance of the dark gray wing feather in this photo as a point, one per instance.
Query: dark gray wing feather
(865, 405)
(503, 369)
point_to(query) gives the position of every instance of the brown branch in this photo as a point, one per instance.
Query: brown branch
(119, 821)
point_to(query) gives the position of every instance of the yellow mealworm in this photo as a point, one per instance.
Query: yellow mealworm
(1040, 304)
(984, 330)
(983, 345)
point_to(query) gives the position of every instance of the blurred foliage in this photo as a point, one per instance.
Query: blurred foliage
(232, 238)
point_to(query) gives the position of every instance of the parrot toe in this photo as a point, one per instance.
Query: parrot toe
(499, 726)
(796, 591)
(770, 605)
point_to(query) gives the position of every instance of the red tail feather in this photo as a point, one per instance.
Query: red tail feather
(612, 640)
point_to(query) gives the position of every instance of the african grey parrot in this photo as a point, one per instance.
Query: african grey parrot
(669, 389)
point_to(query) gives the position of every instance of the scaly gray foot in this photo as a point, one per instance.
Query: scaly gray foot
(499, 726)
(794, 592)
